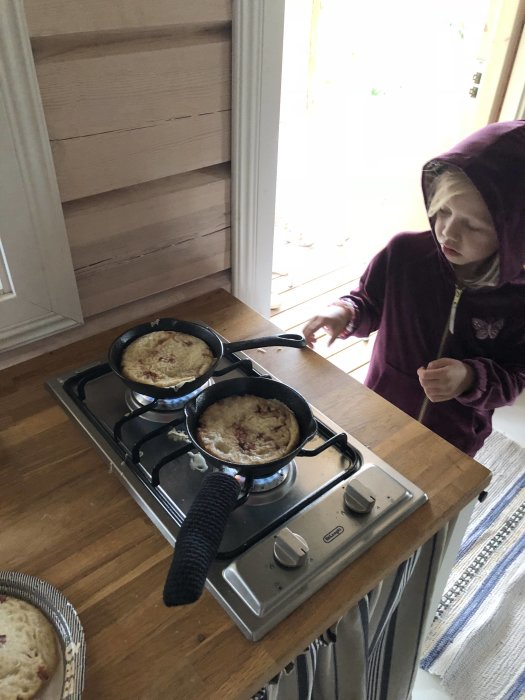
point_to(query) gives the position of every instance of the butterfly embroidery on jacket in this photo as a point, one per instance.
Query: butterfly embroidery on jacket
(487, 329)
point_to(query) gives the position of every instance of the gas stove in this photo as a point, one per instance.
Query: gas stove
(296, 529)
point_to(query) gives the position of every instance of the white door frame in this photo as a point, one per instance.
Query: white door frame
(514, 102)
(258, 27)
(40, 295)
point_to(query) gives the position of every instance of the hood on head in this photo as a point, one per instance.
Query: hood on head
(493, 158)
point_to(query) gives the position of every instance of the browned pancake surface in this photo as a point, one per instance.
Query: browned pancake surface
(248, 429)
(166, 359)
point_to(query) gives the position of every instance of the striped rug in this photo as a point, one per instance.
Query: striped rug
(476, 643)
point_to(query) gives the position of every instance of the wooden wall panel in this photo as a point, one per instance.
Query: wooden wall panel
(137, 100)
(130, 82)
(103, 162)
(54, 17)
(107, 285)
(142, 240)
(127, 223)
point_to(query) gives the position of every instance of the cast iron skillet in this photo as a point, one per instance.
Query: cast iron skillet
(202, 530)
(256, 386)
(198, 330)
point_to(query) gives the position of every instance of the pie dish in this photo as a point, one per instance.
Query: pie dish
(67, 681)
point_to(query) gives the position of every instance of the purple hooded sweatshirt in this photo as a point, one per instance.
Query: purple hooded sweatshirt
(410, 294)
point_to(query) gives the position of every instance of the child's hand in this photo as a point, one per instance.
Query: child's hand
(334, 320)
(445, 379)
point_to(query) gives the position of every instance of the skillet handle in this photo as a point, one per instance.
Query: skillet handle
(339, 439)
(291, 340)
(199, 539)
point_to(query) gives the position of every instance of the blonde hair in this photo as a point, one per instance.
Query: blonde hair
(448, 184)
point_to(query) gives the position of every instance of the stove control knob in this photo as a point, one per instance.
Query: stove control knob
(358, 497)
(290, 549)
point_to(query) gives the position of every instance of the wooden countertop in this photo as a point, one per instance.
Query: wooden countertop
(66, 519)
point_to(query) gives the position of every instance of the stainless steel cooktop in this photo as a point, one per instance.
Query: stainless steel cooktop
(297, 529)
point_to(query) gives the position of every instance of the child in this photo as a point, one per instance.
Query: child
(449, 303)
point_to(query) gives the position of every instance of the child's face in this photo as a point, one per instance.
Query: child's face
(465, 231)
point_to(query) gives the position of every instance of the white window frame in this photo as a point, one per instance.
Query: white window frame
(39, 295)
(514, 102)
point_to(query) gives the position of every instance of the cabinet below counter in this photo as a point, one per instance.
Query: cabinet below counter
(68, 520)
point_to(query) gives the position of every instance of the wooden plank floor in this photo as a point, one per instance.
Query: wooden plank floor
(305, 280)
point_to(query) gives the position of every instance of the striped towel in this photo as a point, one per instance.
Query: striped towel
(476, 643)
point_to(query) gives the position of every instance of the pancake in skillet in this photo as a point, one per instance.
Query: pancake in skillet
(248, 429)
(166, 359)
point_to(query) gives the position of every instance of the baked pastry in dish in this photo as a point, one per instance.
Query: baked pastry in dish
(166, 359)
(28, 649)
(248, 429)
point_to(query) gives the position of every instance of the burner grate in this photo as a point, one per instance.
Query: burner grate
(174, 476)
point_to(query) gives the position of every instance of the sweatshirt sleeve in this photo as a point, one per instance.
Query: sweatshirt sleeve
(496, 384)
(368, 297)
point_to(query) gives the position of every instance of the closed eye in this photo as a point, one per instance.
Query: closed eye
(480, 228)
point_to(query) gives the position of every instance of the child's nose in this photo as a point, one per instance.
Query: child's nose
(452, 230)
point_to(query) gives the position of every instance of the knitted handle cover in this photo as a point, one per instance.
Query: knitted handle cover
(199, 539)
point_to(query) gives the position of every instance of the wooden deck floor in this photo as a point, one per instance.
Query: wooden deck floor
(305, 280)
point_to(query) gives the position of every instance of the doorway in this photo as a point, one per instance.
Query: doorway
(369, 92)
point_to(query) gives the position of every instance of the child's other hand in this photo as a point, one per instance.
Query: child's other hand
(445, 379)
(334, 320)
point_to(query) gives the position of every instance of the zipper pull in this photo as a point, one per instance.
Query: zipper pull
(457, 296)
